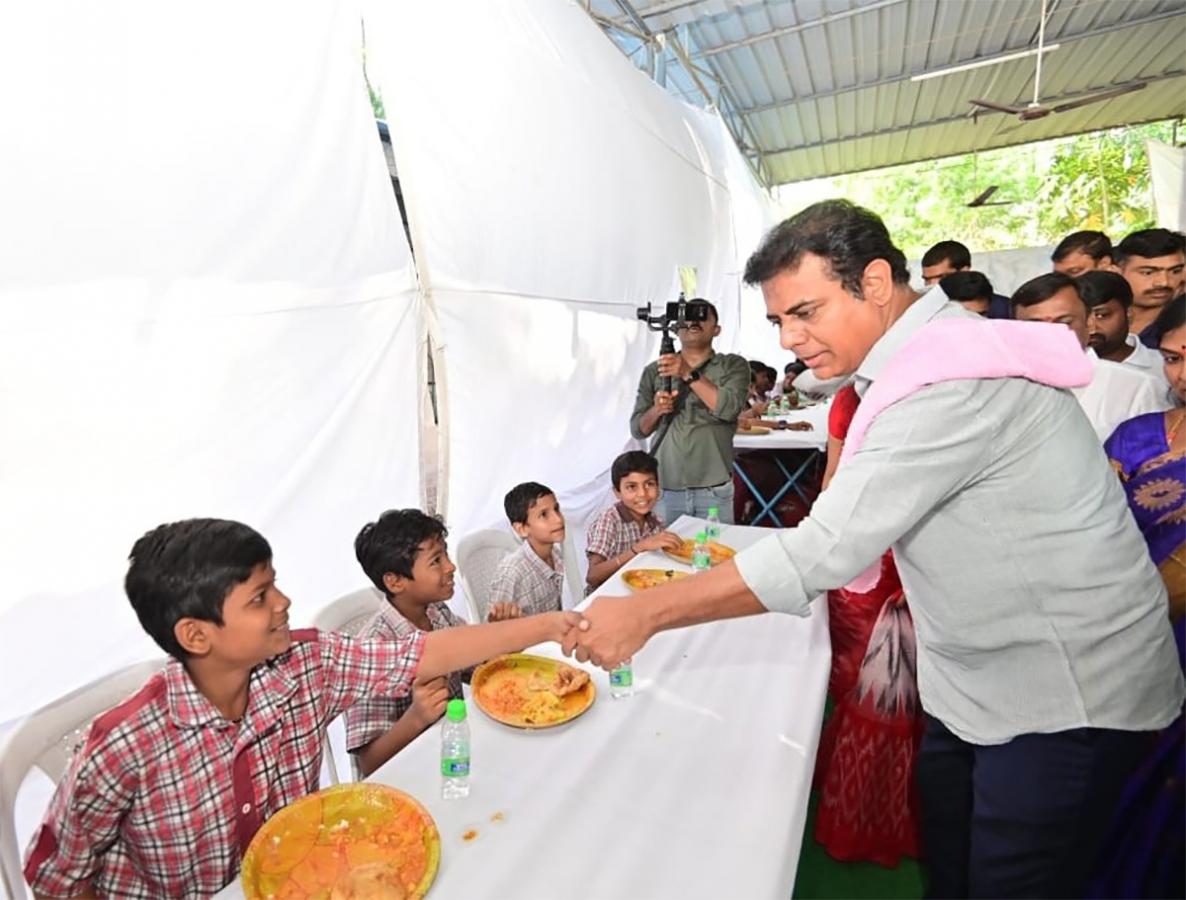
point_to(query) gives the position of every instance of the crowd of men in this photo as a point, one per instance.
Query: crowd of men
(1108, 295)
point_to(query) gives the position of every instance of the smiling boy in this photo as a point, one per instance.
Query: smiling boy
(168, 787)
(405, 556)
(630, 526)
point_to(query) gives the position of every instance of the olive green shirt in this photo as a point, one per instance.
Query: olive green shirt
(698, 449)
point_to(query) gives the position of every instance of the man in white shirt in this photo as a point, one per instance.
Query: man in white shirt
(1108, 297)
(1116, 392)
(1044, 643)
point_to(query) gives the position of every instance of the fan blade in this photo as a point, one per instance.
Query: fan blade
(1098, 98)
(982, 198)
(999, 107)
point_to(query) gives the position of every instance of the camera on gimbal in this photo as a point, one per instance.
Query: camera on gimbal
(677, 315)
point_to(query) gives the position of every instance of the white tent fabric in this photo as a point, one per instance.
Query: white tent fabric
(551, 188)
(1167, 169)
(207, 307)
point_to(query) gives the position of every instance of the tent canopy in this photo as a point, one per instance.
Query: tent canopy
(823, 87)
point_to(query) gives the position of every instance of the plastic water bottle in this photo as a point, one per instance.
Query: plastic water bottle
(712, 530)
(455, 752)
(621, 680)
(701, 561)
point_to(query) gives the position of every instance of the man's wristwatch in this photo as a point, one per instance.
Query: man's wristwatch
(693, 376)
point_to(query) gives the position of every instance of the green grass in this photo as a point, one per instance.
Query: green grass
(820, 876)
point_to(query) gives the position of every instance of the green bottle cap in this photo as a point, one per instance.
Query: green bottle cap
(714, 511)
(701, 537)
(455, 711)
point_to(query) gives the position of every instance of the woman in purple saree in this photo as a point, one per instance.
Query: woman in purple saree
(1146, 851)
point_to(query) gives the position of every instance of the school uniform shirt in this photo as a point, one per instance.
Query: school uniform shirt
(1117, 393)
(527, 581)
(614, 530)
(164, 794)
(372, 716)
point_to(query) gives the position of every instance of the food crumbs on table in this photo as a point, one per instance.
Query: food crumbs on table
(498, 817)
(470, 835)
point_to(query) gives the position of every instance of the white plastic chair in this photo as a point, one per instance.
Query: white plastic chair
(347, 614)
(45, 740)
(478, 556)
(572, 572)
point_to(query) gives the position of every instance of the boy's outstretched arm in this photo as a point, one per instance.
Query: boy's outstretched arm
(451, 649)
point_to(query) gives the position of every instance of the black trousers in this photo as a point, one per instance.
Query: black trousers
(1021, 819)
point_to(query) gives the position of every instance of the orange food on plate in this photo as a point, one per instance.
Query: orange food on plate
(531, 691)
(641, 579)
(717, 552)
(345, 842)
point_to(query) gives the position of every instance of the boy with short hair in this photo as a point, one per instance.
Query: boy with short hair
(404, 555)
(169, 787)
(530, 580)
(630, 526)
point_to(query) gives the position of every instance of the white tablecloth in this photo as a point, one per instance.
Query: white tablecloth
(816, 439)
(695, 787)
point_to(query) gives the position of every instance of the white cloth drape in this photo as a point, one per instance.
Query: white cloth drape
(551, 189)
(1167, 169)
(207, 307)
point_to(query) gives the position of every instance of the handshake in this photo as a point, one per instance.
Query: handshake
(608, 631)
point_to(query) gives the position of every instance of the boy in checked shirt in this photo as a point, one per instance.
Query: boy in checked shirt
(629, 527)
(405, 556)
(530, 580)
(170, 785)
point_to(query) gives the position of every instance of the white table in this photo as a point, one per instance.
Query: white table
(815, 439)
(696, 786)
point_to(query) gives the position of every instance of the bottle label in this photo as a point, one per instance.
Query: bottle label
(455, 767)
(621, 678)
(713, 531)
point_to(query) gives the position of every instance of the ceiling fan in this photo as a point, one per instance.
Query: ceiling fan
(981, 199)
(1034, 109)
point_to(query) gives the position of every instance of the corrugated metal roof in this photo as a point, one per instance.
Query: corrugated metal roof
(823, 87)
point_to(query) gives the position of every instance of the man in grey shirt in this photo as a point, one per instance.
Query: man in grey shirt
(695, 452)
(1044, 644)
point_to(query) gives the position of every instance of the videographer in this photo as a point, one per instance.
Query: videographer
(695, 449)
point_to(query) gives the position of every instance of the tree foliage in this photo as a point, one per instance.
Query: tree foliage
(1098, 180)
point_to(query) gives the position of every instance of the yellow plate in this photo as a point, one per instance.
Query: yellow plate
(754, 429)
(717, 552)
(347, 840)
(503, 690)
(641, 579)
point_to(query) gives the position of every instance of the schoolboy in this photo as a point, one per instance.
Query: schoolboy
(530, 580)
(404, 555)
(629, 527)
(169, 786)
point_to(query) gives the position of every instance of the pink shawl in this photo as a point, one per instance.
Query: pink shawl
(950, 349)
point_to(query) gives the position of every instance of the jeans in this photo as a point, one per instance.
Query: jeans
(1019, 819)
(696, 501)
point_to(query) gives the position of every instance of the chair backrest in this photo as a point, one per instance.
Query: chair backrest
(350, 612)
(572, 572)
(45, 740)
(478, 555)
